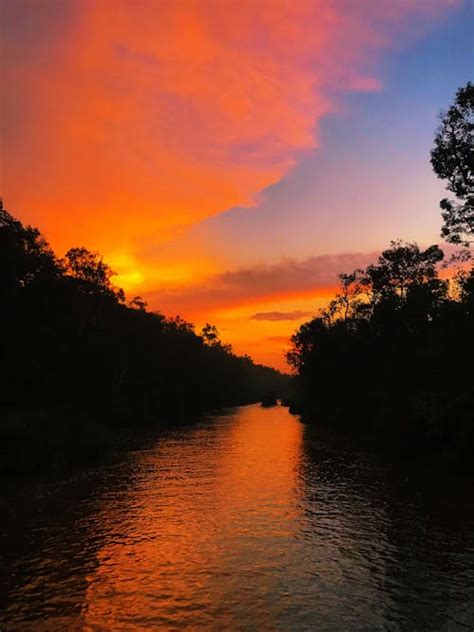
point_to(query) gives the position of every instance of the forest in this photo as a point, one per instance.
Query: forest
(391, 358)
(80, 363)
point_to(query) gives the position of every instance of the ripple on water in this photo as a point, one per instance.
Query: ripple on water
(241, 522)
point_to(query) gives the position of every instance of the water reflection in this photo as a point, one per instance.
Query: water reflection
(206, 526)
(242, 522)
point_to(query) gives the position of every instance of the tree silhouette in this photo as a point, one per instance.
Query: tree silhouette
(349, 301)
(137, 302)
(25, 256)
(402, 266)
(452, 158)
(92, 273)
(210, 334)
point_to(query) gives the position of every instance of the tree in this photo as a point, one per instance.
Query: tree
(452, 158)
(402, 267)
(137, 302)
(92, 273)
(351, 301)
(25, 256)
(210, 334)
(303, 342)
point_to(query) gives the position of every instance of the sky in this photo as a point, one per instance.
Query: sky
(229, 158)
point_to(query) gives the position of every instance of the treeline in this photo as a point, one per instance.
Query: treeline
(78, 361)
(392, 356)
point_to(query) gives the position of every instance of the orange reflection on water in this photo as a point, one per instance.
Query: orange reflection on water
(198, 532)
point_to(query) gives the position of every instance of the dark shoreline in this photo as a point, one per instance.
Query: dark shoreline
(73, 439)
(391, 450)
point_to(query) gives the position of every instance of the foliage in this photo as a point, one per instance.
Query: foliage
(452, 158)
(92, 275)
(25, 257)
(210, 335)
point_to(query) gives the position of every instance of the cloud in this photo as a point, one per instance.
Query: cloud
(284, 340)
(127, 121)
(246, 286)
(295, 315)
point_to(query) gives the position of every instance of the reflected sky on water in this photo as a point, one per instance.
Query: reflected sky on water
(244, 521)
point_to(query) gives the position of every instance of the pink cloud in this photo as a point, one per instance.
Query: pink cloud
(264, 281)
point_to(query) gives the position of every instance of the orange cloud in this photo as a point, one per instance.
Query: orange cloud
(297, 314)
(262, 283)
(127, 121)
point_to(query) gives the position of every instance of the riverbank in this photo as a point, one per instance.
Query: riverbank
(50, 440)
(58, 440)
(409, 444)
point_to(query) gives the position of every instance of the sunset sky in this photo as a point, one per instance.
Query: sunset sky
(229, 158)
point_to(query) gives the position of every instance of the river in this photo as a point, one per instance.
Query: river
(241, 521)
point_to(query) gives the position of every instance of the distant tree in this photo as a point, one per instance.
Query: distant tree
(401, 268)
(403, 273)
(25, 255)
(93, 274)
(210, 334)
(350, 301)
(137, 302)
(180, 324)
(452, 158)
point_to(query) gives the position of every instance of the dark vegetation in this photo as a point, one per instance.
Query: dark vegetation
(392, 356)
(79, 364)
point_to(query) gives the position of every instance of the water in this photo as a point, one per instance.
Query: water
(241, 522)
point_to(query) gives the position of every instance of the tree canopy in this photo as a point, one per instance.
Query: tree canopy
(452, 158)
